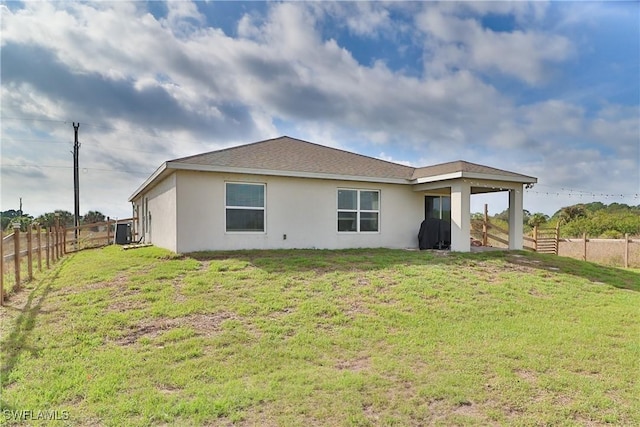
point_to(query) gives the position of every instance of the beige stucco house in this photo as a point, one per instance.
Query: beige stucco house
(288, 193)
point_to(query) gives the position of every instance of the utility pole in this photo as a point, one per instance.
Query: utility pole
(76, 180)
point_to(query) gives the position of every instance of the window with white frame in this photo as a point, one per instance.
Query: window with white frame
(245, 207)
(358, 210)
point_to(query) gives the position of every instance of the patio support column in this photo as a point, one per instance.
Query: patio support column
(460, 216)
(516, 229)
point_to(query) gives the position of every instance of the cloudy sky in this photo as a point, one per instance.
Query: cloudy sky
(544, 89)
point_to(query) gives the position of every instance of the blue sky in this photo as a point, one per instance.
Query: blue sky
(548, 89)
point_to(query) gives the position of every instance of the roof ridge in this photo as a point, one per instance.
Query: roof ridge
(350, 152)
(226, 149)
(412, 168)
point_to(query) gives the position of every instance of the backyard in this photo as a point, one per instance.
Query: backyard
(309, 337)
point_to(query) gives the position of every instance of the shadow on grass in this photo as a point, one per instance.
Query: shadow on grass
(323, 261)
(14, 344)
(617, 277)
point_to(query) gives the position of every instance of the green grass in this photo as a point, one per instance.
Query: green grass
(354, 338)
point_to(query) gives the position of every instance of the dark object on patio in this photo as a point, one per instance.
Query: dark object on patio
(434, 234)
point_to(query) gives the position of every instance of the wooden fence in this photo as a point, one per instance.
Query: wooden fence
(544, 240)
(623, 252)
(38, 248)
(620, 252)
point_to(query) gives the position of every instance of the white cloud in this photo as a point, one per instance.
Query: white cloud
(183, 17)
(453, 42)
(169, 87)
(369, 19)
(522, 11)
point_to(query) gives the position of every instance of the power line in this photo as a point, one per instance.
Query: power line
(34, 119)
(97, 126)
(70, 167)
(119, 147)
(87, 145)
(50, 141)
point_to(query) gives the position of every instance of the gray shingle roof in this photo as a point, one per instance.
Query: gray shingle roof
(294, 155)
(462, 166)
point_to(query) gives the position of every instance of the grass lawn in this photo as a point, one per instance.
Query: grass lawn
(357, 337)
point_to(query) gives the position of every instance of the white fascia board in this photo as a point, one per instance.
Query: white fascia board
(486, 185)
(437, 178)
(474, 175)
(296, 174)
(521, 179)
(163, 167)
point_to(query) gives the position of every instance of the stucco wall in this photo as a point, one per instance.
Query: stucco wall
(162, 207)
(303, 209)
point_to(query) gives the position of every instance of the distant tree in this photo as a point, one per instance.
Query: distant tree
(92, 217)
(537, 219)
(571, 213)
(24, 221)
(49, 219)
(504, 215)
(7, 216)
(595, 206)
(617, 207)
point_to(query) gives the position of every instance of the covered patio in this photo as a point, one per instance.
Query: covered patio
(458, 181)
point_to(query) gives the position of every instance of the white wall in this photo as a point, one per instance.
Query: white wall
(162, 207)
(303, 209)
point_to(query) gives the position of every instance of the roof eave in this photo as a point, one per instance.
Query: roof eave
(154, 176)
(296, 174)
(475, 175)
(508, 178)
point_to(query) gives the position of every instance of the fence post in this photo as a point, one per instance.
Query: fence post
(584, 255)
(557, 238)
(626, 250)
(108, 231)
(535, 238)
(39, 243)
(1, 268)
(485, 226)
(60, 242)
(16, 254)
(54, 256)
(57, 235)
(48, 242)
(30, 252)
(63, 245)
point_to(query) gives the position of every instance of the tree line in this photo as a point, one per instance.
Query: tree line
(11, 216)
(597, 219)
